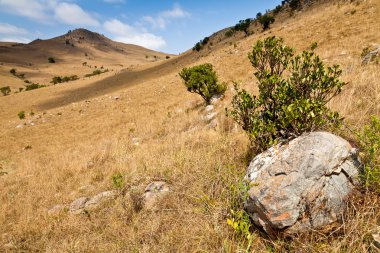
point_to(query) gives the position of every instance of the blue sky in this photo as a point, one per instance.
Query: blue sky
(163, 25)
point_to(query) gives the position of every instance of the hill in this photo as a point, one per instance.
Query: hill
(141, 123)
(78, 52)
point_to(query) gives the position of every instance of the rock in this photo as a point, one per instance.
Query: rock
(210, 116)
(100, 198)
(135, 141)
(19, 126)
(209, 108)
(215, 99)
(371, 55)
(78, 204)
(303, 184)
(153, 192)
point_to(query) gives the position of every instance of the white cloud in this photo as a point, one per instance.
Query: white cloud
(163, 18)
(72, 14)
(11, 33)
(32, 9)
(11, 29)
(128, 34)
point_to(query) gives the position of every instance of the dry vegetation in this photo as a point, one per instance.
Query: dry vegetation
(74, 150)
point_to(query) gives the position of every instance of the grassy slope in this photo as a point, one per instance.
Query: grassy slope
(200, 163)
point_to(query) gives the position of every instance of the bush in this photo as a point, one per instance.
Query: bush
(118, 180)
(295, 4)
(6, 90)
(202, 79)
(33, 86)
(293, 93)
(199, 45)
(96, 72)
(51, 60)
(58, 79)
(265, 21)
(243, 25)
(370, 147)
(13, 71)
(21, 115)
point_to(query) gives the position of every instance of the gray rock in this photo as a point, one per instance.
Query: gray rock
(210, 116)
(303, 184)
(215, 99)
(100, 198)
(78, 204)
(213, 124)
(209, 108)
(373, 53)
(153, 192)
(135, 141)
(19, 126)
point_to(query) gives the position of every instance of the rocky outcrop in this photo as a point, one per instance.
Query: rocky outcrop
(153, 192)
(371, 55)
(303, 184)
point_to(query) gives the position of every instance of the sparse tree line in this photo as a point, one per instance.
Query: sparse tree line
(265, 20)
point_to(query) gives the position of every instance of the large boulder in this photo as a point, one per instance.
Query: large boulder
(303, 184)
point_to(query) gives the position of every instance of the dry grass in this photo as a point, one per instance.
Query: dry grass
(177, 146)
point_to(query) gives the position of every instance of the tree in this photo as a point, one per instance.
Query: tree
(5, 90)
(293, 94)
(202, 79)
(266, 20)
(243, 25)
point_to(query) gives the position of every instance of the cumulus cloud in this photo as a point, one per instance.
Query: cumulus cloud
(13, 33)
(163, 18)
(33, 9)
(47, 11)
(128, 34)
(72, 14)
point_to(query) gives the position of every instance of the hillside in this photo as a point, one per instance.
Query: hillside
(78, 52)
(142, 123)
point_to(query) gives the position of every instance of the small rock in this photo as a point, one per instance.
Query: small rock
(116, 97)
(135, 141)
(215, 99)
(19, 126)
(78, 204)
(90, 164)
(100, 198)
(372, 54)
(153, 192)
(209, 108)
(210, 116)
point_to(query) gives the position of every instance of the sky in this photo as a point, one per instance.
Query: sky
(162, 25)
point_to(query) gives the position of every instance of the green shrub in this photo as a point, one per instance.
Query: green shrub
(96, 72)
(197, 47)
(51, 60)
(21, 115)
(265, 21)
(293, 93)
(118, 181)
(58, 79)
(202, 79)
(33, 86)
(295, 4)
(6, 90)
(370, 154)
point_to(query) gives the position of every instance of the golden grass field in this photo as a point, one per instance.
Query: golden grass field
(47, 162)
